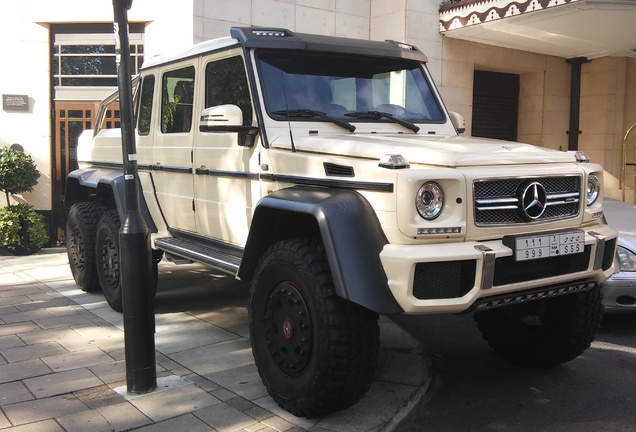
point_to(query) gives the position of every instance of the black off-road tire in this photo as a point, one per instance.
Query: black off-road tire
(543, 333)
(81, 226)
(315, 352)
(107, 252)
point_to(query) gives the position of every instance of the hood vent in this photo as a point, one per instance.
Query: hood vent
(338, 170)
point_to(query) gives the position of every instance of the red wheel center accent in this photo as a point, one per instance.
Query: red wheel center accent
(288, 329)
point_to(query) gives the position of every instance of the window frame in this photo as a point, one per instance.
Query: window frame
(166, 95)
(247, 120)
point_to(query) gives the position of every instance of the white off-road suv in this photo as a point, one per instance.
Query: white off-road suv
(328, 174)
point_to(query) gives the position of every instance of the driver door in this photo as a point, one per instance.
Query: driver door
(226, 167)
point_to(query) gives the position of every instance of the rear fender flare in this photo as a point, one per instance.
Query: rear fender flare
(84, 182)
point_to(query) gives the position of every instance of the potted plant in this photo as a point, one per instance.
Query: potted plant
(22, 229)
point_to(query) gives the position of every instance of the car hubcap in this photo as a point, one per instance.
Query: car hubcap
(76, 247)
(288, 330)
(110, 261)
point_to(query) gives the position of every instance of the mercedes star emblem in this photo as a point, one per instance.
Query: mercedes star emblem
(533, 200)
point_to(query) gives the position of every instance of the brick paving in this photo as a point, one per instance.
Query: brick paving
(62, 359)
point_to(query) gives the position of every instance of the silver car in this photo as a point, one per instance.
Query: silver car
(619, 291)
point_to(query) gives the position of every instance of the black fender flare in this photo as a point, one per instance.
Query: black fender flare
(350, 231)
(78, 181)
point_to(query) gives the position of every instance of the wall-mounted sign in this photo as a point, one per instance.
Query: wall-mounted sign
(15, 103)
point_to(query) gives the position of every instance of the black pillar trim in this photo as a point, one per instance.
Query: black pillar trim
(575, 101)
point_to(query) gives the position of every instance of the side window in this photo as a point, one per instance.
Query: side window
(176, 100)
(226, 83)
(145, 105)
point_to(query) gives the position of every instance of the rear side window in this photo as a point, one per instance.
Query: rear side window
(226, 83)
(177, 94)
(145, 105)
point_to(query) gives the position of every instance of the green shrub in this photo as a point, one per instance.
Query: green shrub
(22, 229)
(18, 172)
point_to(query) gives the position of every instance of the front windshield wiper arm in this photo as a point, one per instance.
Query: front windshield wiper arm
(308, 113)
(379, 114)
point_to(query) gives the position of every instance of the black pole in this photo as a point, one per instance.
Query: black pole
(134, 237)
(575, 101)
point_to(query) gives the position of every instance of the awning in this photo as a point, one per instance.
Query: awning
(562, 28)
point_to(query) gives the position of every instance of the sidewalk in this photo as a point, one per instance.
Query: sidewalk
(62, 359)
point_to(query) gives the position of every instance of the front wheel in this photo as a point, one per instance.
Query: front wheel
(315, 352)
(543, 333)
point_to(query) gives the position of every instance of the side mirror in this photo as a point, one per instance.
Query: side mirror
(228, 119)
(458, 122)
(221, 115)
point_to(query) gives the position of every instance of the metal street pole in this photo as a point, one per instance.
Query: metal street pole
(134, 237)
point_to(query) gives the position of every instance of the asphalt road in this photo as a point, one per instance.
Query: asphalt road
(473, 390)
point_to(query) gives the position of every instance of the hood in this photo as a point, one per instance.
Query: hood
(448, 151)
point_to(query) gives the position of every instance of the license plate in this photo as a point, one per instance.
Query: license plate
(546, 246)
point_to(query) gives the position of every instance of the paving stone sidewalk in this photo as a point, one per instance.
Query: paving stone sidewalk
(62, 359)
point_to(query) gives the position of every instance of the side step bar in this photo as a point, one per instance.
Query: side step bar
(226, 261)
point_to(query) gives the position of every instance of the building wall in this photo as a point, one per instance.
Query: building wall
(629, 120)
(608, 110)
(602, 115)
(347, 18)
(544, 91)
(27, 75)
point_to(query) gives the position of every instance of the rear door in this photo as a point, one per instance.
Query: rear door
(172, 145)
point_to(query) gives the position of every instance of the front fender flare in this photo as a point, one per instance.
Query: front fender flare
(350, 232)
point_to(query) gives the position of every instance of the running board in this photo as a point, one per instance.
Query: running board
(226, 261)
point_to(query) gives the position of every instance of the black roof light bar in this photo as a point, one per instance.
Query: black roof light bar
(279, 38)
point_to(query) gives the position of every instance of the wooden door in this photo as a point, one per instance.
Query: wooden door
(71, 119)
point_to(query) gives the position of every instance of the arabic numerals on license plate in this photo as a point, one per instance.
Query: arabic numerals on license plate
(544, 246)
(535, 253)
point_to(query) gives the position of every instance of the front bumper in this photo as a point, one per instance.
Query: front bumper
(619, 293)
(453, 277)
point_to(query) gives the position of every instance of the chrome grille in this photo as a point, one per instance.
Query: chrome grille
(498, 201)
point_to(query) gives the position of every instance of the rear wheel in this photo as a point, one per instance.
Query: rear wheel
(315, 352)
(107, 251)
(81, 227)
(543, 333)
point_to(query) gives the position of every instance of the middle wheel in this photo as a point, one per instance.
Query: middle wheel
(107, 253)
(107, 256)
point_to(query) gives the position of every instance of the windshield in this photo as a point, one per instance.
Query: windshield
(354, 88)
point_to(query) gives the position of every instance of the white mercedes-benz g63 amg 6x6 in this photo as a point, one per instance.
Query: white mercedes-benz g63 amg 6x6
(327, 173)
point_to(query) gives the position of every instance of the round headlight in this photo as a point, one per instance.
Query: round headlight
(429, 200)
(593, 189)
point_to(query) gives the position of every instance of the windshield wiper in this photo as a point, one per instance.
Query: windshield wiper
(308, 113)
(375, 115)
